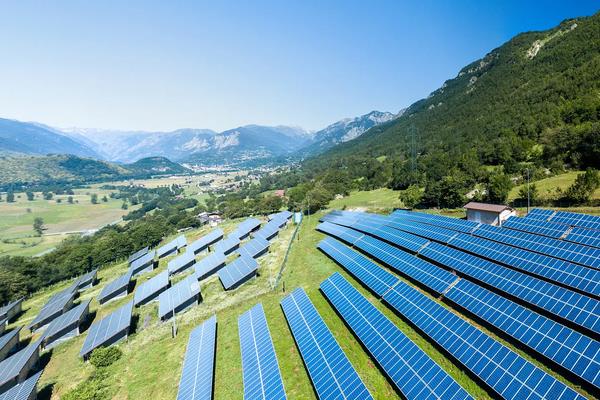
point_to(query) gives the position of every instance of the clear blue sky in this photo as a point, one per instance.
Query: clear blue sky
(220, 64)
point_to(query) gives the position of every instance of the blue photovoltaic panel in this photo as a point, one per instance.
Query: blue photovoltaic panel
(347, 235)
(568, 251)
(245, 227)
(576, 219)
(138, 254)
(507, 373)
(454, 224)
(198, 367)
(12, 367)
(539, 214)
(171, 247)
(70, 319)
(268, 232)
(262, 378)
(118, 285)
(108, 330)
(566, 347)
(142, 262)
(227, 245)
(433, 232)
(180, 295)
(571, 306)
(585, 236)
(330, 371)
(237, 271)
(209, 265)
(411, 370)
(255, 247)
(286, 215)
(150, 289)
(9, 310)
(549, 229)
(23, 391)
(379, 280)
(571, 275)
(7, 339)
(207, 240)
(55, 306)
(181, 263)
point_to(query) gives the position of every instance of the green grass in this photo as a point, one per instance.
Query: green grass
(547, 187)
(151, 365)
(378, 200)
(16, 222)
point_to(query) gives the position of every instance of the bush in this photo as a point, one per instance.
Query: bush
(581, 191)
(93, 388)
(105, 356)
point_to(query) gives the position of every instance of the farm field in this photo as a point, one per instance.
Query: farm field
(152, 361)
(60, 219)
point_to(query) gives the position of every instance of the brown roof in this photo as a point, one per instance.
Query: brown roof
(473, 205)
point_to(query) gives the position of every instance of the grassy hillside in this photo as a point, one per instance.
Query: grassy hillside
(152, 361)
(547, 188)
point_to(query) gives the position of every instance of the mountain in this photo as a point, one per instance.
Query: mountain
(346, 130)
(533, 99)
(20, 170)
(36, 139)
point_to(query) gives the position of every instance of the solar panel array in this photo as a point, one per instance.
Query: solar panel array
(411, 370)
(260, 370)
(227, 245)
(540, 214)
(568, 251)
(181, 263)
(209, 265)
(108, 330)
(179, 296)
(576, 219)
(549, 229)
(207, 240)
(237, 271)
(115, 288)
(8, 342)
(54, 307)
(568, 348)
(150, 289)
(584, 236)
(171, 247)
(9, 310)
(330, 371)
(198, 367)
(245, 227)
(282, 215)
(138, 254)
(65, 323)
(86, 280)
(23, 391)
(269, 231)
(455, 224)
(12, 368)
(255, 247)
(142, 263)
(571, 224)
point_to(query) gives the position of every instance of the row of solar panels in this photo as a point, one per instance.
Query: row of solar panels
(566, 218)
(568, 348)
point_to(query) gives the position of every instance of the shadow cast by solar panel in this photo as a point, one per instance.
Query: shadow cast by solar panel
(133, 326)
(363, 347)
(88, 321)
(45, 393)
(43, 361)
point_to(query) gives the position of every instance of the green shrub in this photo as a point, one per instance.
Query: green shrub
(93, 388)
(105, 356)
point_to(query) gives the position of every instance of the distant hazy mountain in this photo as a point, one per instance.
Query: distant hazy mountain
(32, 138)
(346, 130)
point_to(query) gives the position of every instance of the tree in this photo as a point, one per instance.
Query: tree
(10, 197)
(411, 196)
(70, 199)
(581, 191)
(38, 225)
(30, 195)
(533, 194)
(48, 195)
(498, 187)
(94, 198)
(104, 199)
(124, 206)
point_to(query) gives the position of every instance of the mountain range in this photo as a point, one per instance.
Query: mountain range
(245, 144)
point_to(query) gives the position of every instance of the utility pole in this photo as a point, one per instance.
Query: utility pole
(528, 196)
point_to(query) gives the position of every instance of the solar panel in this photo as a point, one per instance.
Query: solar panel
(237, 272)
(330, 371)
(149, 290)
(143, 264)
(8, 342)
(138, 254)
(86, 280)
(171, 247)
(255, 247)
(14, 369)
(54, 307)
(66, 326)
(227, 245)
(26, 390)
(539, 214)
(566, 304)
(117, 288)
(568, 251)
(209, 265)
(411, 370)
(207, 240)
(568, 348)
(179, 297)
(455, 224)
(436, 233)
(585, 236)
(285, 215)
(181, 263)
(3, 323)
(262, 378)
(11, 309)
(181, 242)
(549, 229)
(198, 367)
(245, 227)
(109, 330)
(507, 373)
(552, 269)
(267, 232)
(576, 219)
(347, 235)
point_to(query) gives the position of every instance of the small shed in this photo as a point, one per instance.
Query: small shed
(491, 214)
